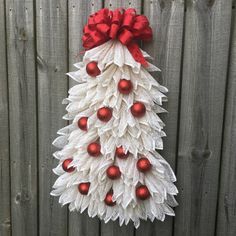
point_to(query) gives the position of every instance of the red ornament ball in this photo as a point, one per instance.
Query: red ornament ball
(113, 172)
(92, 69)
(138, 109)
(120, 152)
(125, 86)
(93, 149)
(143, 164)
(65, 165)
(82, 123)
(142, 192)
(84, 188)
(104, 114)
(108, 199)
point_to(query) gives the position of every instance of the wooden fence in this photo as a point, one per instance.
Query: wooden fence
(194, 45)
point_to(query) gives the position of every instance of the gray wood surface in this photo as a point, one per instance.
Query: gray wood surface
(22, 116)
(112, 4)
(5, 221)
(167, 20)
(80, 224)
(206, 47)
(194, 45)
(52, 64)
(227, 195)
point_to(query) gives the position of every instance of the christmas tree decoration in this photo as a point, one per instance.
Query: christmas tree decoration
(143, 164)
(82, 123)
(125, 86)
(108, 199)
(104, 114)
(65, 165)
(93, 149)
(84, 188)
(92, 69)
(138, 109)
(120, 153)
(115, 170)
(142, 192)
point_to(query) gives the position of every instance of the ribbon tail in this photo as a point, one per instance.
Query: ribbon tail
(137, 54)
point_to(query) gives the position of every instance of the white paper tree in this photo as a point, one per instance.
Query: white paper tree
(108, 161)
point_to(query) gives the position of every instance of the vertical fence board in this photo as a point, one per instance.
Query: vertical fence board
(22, 115)
(206, 46)
(78, 13)
(112, 4)
(5, 214)
(227, 194)
(166, 19)
(51, 24)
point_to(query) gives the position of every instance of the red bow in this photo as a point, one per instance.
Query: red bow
(124, 25)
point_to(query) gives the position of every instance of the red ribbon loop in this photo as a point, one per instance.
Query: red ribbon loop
(125, 37)
(125, 25)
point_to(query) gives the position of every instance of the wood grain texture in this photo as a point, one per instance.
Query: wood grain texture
(226, 220)
(112, 4)
(80, 224)
(166, 19)
(206, 49)
(22, 115)
(39, 42)
(52, 64)
(5, 213)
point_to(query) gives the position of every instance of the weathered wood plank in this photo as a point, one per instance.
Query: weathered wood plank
(206, 46)
(112, 4)
(166, 18)
(22, 115)
(5, 213)
(79, 12)
(52, 88)
(80, 224)
(226, 220)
